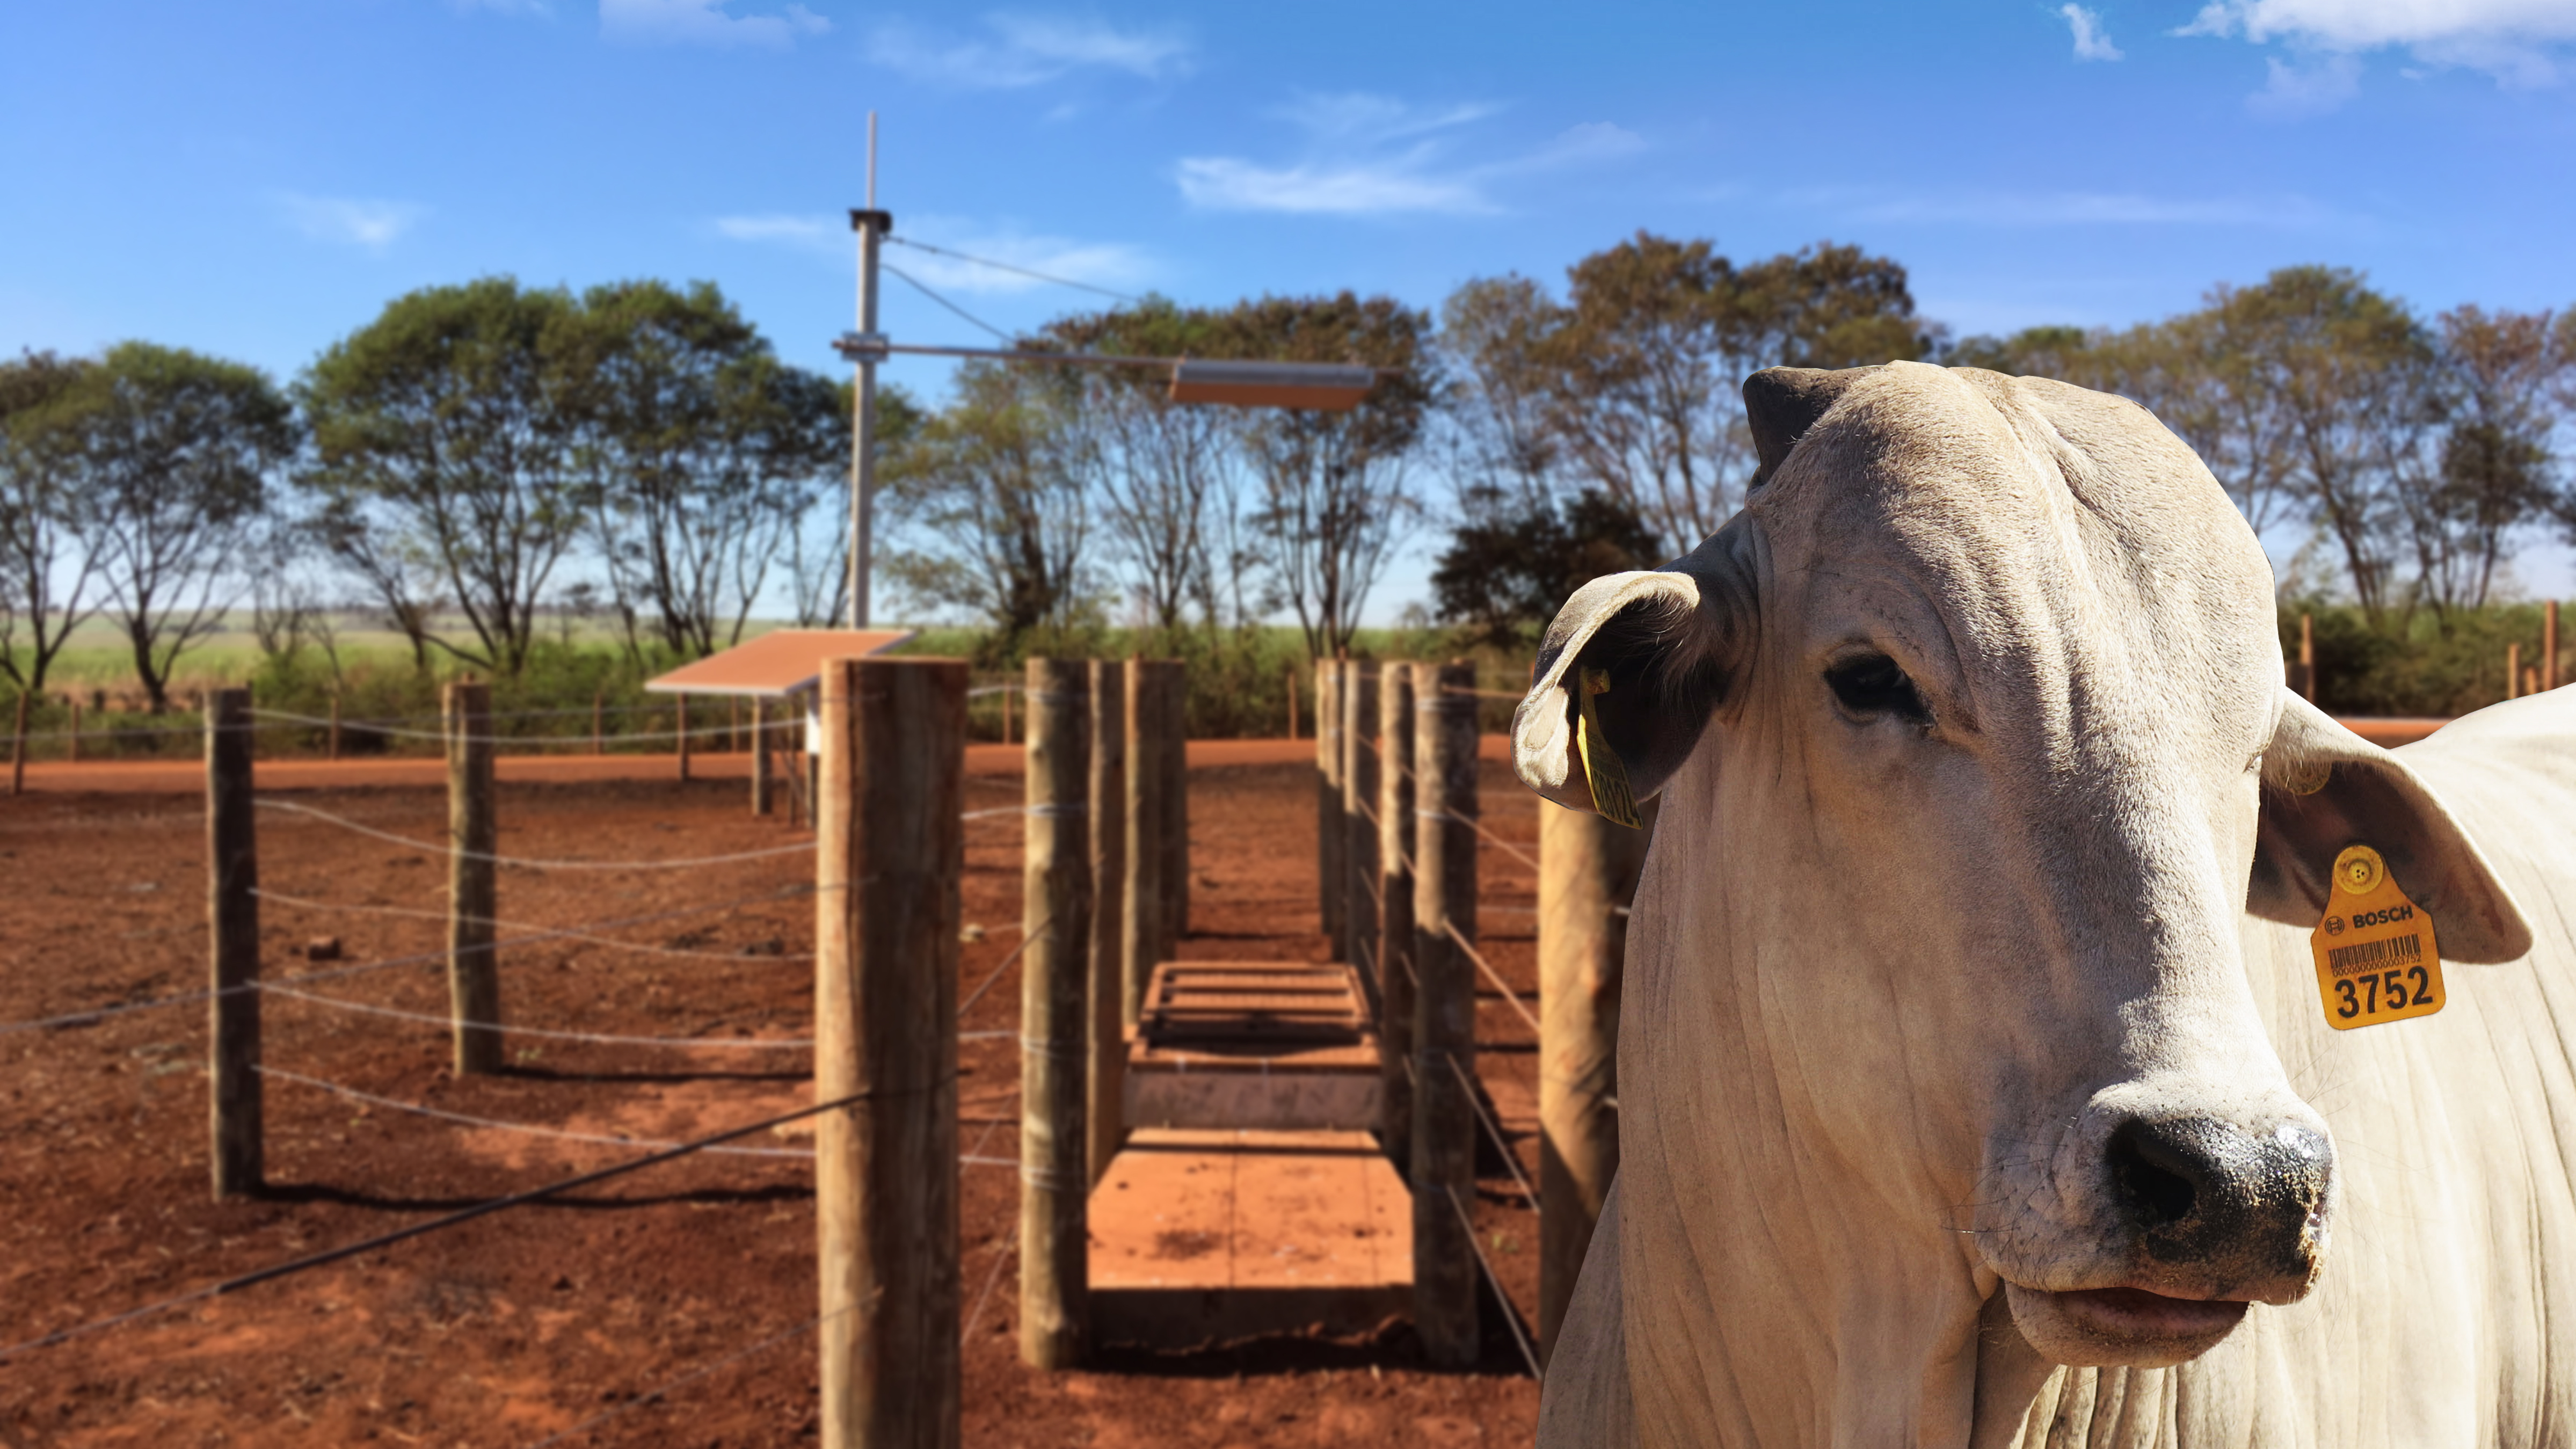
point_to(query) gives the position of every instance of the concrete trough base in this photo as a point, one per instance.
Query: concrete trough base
(1202, 1236)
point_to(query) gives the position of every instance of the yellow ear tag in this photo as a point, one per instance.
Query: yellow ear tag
(1601, 766)
(2376, 958)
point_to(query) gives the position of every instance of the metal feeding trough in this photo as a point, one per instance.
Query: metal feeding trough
(1277, 1045)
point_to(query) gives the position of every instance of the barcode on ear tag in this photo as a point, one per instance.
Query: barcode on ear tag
(2376, 957)
(1601, 765)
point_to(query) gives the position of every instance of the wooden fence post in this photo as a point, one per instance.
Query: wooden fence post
(1147, 819)
(331, 750)
(1292, 702)
(232, 926)
(74, 738)
(599, 722)
(1332, 874)
(891, 851)
(1106, 1092)
(473, 976)
(1587, 875)
(1055, 915)
(2548, 646)
(1359, 809)
(2513, 670)
(681, 738)
(1444, 1022)
(1173, 698)
(759, 756)
(1395, 913)
(18, 749)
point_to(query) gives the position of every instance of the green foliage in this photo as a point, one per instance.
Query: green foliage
(1509, 569)
(2425, 665)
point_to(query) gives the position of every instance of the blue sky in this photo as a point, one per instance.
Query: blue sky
(256, 179)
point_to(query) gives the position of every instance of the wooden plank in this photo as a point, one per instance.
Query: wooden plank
(1055, 1012)
(890, 854)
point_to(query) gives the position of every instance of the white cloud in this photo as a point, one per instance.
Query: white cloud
(1351, 170)
(803, 231)
(2511, 40)
(2314, 84)
(374, 225)
(2092, 42)
(2072, 208)
(1028, 50)
(1112, 265)
(704, 22)
(1226, 183)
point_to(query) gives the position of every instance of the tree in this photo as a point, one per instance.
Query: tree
(1656, 339)
(447, 437)
(2502, 376)
(1511, 566)
(1333, 500)
(818, 547)
(174, 451)
(1163, 473)
(47, 564)
(704, 451)
(994, 507)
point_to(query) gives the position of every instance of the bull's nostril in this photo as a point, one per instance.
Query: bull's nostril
(2157, 1181)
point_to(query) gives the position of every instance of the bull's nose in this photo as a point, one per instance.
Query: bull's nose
(2247, 1204)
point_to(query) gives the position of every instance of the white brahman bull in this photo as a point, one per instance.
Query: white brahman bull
(1977, 1089)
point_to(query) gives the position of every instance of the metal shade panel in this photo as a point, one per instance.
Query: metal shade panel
(1320, 386)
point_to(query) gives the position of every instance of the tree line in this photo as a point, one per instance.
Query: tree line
(482, 458)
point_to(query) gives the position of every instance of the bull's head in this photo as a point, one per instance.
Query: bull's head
(1975, 752)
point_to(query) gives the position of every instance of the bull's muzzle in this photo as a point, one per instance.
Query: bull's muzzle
(2234, 1211)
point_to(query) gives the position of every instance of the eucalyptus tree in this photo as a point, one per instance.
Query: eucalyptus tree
(2505, 376)
(447, 458)
(48, 565)
(991, 504)
(1335, 490)
(1165, 475)
(1653, 345)
(704, 452)
(174, 454)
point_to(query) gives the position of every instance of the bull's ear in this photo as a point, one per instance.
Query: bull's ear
(2324, 788)
(1653, 647)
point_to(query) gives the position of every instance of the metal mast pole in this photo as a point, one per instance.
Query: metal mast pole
(871, 225)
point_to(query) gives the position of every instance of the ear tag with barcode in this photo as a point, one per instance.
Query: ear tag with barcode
(1602, 768)
(2376, 958)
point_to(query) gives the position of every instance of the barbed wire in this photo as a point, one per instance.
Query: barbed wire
(300, 903)
(1493, 1129)
(1025, 938)
(527, 1129)
(190, 998)
(1491, 974)
(713, 1043)
(1511, 1311)
(693, 732)
(527, 862)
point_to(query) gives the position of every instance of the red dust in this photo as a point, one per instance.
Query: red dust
(529, 1322)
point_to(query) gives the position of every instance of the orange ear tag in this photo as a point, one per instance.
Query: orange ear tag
(2376, 959)
(1602, 768)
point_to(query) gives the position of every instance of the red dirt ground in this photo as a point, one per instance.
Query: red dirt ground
(527, 1323)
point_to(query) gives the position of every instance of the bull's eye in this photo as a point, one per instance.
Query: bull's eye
(1871, 684)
